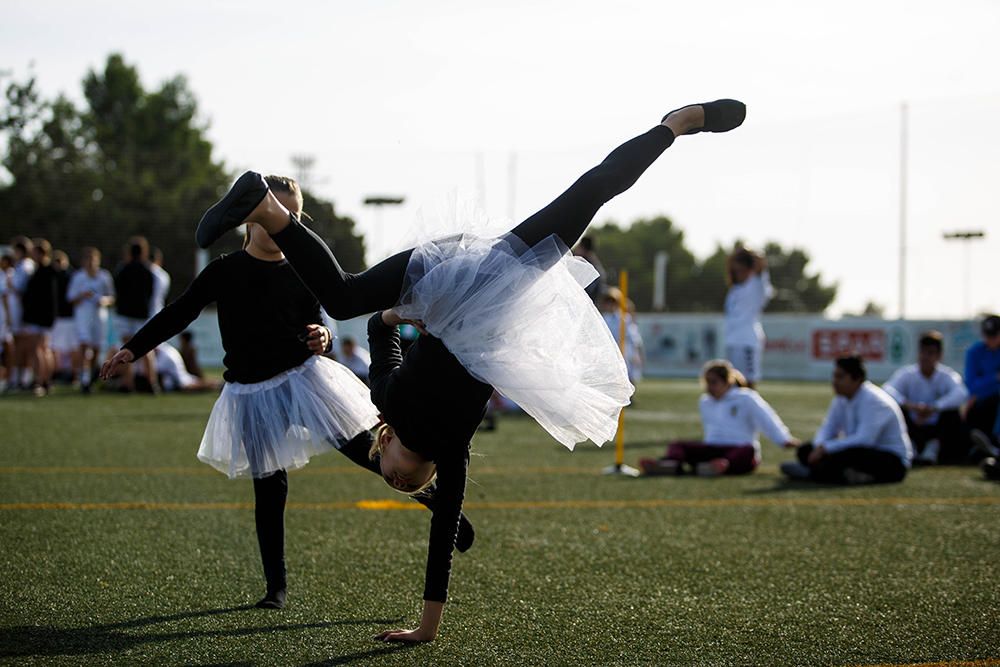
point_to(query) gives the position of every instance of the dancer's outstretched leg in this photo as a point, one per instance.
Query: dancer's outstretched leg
(346, 295)
(570, 214)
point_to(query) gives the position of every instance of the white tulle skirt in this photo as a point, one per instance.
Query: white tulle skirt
(518, 318)
(257, 429)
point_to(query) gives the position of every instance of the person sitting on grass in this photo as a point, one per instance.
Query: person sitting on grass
(732, 416)
(930, 395)
(982, 378)
(863, 439)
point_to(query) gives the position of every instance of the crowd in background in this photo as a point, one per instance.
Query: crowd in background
(59, 321)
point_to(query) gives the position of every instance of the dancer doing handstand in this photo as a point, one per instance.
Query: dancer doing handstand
(508, 312)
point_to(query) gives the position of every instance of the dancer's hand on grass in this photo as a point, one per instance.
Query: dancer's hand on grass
(115, 364)
(318, 338)
(409, 636)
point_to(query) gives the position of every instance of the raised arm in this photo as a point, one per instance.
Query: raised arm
(172, 320)
(452, 472)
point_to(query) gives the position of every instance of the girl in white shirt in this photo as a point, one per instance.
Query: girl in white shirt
(732, 416)
(750, 291)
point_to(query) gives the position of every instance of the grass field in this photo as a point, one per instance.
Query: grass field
(118, 547)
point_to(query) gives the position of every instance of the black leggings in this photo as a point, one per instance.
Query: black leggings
(346, 295)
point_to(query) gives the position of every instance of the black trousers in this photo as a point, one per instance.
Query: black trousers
(883, 466)
(346, 295)
(983, 414)
(948, 429)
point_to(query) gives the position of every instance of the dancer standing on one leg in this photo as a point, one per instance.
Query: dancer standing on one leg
(485, 302)
(283, 403)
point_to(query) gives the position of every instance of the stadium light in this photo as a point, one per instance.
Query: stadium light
(380, 202)
(966, 236)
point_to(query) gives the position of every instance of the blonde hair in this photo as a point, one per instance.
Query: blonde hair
(724, 370)
(376, 451)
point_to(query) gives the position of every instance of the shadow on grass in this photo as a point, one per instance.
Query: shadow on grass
(362, 655)
(43, 640)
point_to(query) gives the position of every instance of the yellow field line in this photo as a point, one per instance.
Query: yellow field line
(392, 504)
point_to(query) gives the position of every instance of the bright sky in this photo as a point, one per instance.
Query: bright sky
(425, 98)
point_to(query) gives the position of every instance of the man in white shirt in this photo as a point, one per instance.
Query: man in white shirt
(355, 358)
(930, 395)
(750, 291)
(863, 439)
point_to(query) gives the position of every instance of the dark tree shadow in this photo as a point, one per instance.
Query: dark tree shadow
(42, 640)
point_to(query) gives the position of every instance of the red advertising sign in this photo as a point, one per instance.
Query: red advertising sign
(869, 344)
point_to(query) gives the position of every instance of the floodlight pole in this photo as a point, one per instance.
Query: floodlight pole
(380, 202)
(903, 149)
(619, 468)
(967, 236)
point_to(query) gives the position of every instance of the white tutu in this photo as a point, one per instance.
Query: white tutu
(518, 318)
(257, 429)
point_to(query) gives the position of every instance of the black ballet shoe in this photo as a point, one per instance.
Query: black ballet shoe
(466, 534)
(273, 600)
(230, 211)
(720, 115)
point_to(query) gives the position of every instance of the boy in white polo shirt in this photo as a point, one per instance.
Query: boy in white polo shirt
(930, 395)
(863, 438)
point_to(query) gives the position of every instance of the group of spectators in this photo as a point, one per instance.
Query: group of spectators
(55, 319)
(925, 414)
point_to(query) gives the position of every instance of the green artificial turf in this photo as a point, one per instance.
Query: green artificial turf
(569, 567)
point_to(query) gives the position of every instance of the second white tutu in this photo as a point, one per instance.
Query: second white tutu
(518, 318)
(257, 429)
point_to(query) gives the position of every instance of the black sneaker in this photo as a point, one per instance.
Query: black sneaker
(273, 600)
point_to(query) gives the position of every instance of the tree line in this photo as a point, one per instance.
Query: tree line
(131, 161)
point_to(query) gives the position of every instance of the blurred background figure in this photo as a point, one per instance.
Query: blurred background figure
(732, 417)
(189, 353)
(863, 439)
(982, 378)
(610, 306)
(19, 372)
(173, 374)
(585, 249)
(930, 395)
(6, 337)
(64, 344)
(40, 302)
(91, 291)
(134, 287)
(355, 358)
(749, 292)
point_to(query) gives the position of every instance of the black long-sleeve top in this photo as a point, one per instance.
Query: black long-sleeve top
(263, 310)
(64, 308)
(133, 289)
(435, 407)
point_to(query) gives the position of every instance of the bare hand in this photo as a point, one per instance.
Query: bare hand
(318, 338)
(792, 443)
(816, 455)
(409, 636)
(391, 318)
(115, 364)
